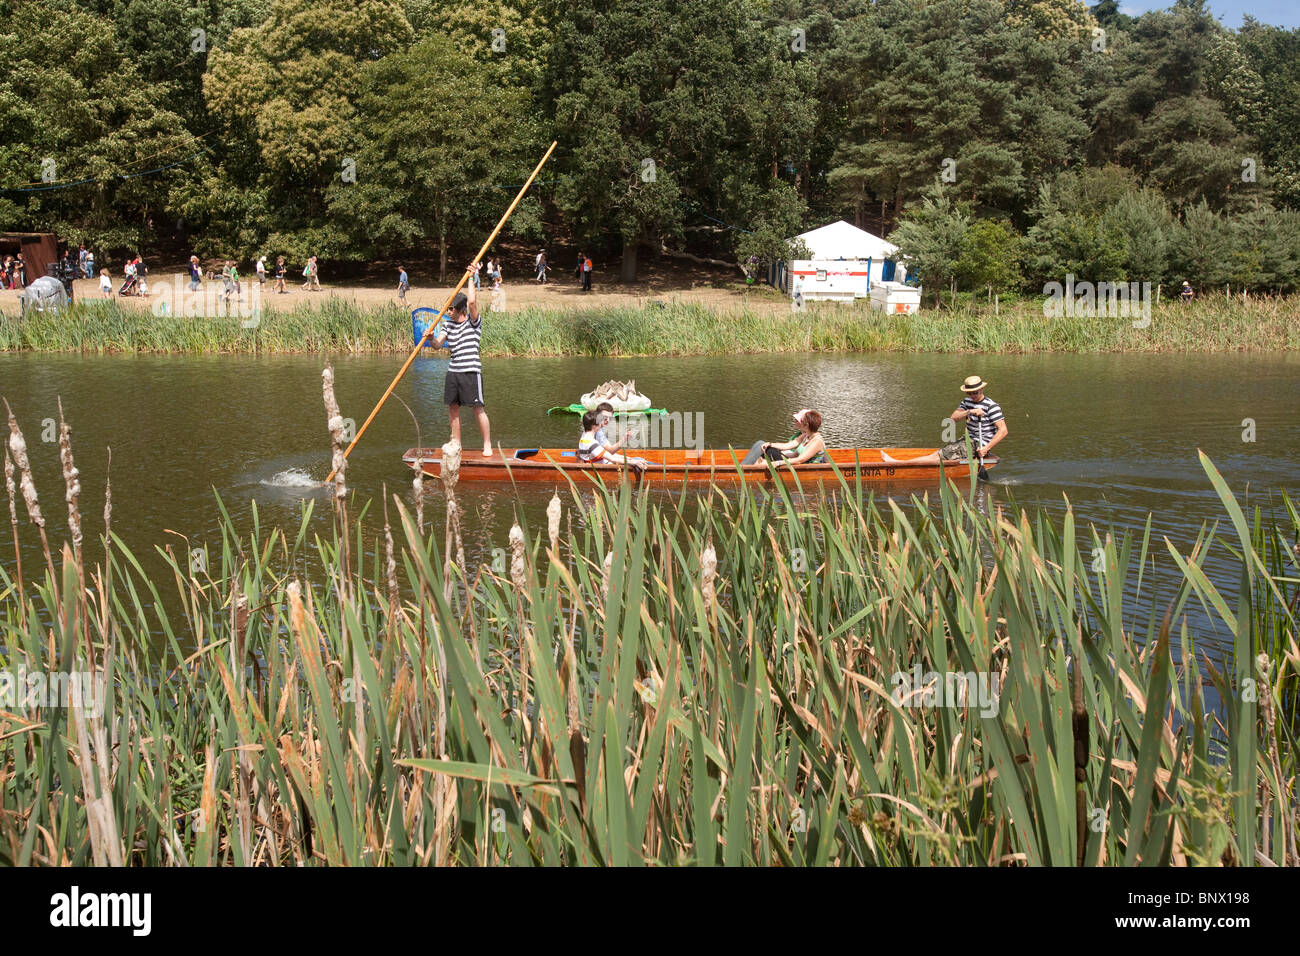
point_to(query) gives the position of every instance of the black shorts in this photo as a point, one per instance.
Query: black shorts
(463, 388)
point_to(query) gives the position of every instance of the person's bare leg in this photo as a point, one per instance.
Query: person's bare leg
(930, 459)
(453, 413)
(484, 427)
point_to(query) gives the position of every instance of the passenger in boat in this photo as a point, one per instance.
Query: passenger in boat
(590, 448)
(807, 447)
(985, 426)
(605, 415)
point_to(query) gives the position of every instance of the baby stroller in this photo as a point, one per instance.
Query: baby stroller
(130, 287)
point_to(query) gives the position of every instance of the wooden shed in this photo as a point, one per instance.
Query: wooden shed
(39, 250)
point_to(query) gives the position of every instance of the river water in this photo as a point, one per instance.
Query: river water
(1116, 433)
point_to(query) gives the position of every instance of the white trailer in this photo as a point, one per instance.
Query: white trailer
(896, 297)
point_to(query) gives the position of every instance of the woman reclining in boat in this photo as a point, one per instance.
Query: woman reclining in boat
(806, 447)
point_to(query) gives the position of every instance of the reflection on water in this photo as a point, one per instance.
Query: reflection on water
(1117, 434)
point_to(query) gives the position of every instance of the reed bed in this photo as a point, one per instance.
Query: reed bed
(635, 687)
(1214, 324)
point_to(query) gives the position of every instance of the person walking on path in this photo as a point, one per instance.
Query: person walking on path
(463, 335)
(586, 273)
(142, 272)
(196, 274)
(540, 265)
(231, 275)
(90, 264)
(498, 295)
(312, 272)
(402, 283)
(105, 284)
(261, 271)
(81, 263)
(280, 271)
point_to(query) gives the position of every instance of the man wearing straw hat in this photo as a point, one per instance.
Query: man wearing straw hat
(985, 425)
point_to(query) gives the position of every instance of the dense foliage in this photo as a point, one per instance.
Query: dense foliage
(1016, 141)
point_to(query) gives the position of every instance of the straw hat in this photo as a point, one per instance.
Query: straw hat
(973, 384)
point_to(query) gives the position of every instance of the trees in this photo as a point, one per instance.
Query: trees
(1273, 54)
(773, 226)
(287, 91)
(990, 256)
(1199, 247)
(1158, 115)
(654, 110)
(79, 125)
(1099, 225)
(958, 93)
(724, 126)
(931, 241)
(426, 157)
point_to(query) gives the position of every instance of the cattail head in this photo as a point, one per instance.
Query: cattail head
(18, 448)
(553, 522)
(390, 563)
(334, 421)
(517, 557)
(237, 650)
(450, 470)
(10, 487)
(605, 570)
(417, 486)
(71, 481)
(297, 613)
(108, 495)
(708, 572)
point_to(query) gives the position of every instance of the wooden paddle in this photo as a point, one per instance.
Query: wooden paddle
(445, 307)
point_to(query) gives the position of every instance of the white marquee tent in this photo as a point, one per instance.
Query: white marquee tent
(845, 262)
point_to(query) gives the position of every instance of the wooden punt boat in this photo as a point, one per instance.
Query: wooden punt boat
(678, 465)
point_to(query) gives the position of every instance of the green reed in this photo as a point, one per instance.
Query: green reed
(640, 687)
(762, 323)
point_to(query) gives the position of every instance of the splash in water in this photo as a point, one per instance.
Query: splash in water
(291, 478)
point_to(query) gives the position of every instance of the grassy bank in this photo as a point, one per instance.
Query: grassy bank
(636, 688)
(1214, 324)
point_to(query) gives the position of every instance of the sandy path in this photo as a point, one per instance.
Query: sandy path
(702, 287)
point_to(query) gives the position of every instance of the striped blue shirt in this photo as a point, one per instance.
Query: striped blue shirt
(463, 339)
(982, 429)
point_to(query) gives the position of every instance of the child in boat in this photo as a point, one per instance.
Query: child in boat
(590, 448)
(605, 415)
